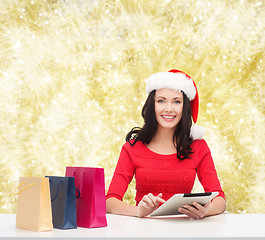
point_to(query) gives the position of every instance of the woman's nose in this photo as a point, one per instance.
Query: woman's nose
(169, 107)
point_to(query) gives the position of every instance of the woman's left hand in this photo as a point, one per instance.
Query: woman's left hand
(197, 211)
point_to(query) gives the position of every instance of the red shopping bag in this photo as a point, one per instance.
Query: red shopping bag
(91, 205)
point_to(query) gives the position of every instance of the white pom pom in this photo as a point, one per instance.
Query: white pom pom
(197, 131)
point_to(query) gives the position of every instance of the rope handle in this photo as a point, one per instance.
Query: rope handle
(52, 199)
(81, 184)
(78, 193)
(23, 188)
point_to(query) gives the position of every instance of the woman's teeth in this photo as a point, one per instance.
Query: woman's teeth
(168, 117)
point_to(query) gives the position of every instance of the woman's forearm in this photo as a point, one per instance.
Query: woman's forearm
(218, 205)
(115, 206)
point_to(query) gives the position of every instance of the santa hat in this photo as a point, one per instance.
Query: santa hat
(176, 79)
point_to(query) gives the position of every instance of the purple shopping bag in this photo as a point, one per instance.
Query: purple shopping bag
(91, 205)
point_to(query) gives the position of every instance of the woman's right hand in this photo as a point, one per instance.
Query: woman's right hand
(148, 204)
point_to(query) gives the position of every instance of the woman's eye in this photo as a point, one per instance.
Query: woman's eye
(177, 102)
(160, 101)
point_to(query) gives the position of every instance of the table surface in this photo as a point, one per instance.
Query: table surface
(224, 225)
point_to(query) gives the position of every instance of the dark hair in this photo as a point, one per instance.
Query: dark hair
(181, 138)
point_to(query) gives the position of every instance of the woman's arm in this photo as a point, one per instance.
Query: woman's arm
(116, 206)
(197, 211)
(216, 206)
(207, 176)
(145, 207)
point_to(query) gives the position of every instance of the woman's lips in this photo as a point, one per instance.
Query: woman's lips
(168, 117)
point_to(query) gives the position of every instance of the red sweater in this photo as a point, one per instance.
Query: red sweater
(156, 173)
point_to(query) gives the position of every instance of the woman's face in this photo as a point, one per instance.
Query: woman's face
(168, 107)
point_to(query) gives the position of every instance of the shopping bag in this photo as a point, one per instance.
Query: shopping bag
(63, 202)
(91, 205)
(34, 204)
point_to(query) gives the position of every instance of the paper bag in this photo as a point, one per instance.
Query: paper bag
(63, 202)
(34, 204)
(91, 205)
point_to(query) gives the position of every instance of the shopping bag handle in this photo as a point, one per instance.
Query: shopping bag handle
(78, 193)
(52, 199)
(81, 184)
(23, 188)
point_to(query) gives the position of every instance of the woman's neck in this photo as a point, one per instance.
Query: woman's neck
(162, 142)
(163, 135)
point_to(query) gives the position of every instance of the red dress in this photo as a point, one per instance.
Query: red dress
(156, 173)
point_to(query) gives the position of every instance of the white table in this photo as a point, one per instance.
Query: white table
(221, 226)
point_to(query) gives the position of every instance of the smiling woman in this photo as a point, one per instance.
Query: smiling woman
(166, 153)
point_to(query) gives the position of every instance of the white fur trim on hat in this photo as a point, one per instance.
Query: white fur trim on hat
(197, 131)
(171, 80)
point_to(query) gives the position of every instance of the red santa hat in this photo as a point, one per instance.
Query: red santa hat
(176, 79)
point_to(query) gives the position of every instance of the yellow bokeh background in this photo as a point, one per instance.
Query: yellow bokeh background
(73, 73)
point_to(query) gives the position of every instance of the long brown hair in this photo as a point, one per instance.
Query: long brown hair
(181, 138)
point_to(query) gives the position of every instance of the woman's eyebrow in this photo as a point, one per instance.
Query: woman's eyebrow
(177, 98)
(160, 97)
(166, 98)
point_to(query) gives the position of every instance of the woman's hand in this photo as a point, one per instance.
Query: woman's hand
(148, 204)
(197, 211)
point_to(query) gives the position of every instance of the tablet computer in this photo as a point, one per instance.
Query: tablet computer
(171, 206)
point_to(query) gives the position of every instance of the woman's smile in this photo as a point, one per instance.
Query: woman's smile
(168, 117)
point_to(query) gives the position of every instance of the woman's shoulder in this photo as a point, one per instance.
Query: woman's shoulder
(200, 146)
(198, 143)
(132, 145)
(137, 148)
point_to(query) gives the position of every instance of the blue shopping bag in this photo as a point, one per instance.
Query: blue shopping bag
(63, 201)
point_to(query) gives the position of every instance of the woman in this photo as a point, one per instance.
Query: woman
(166, 153)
